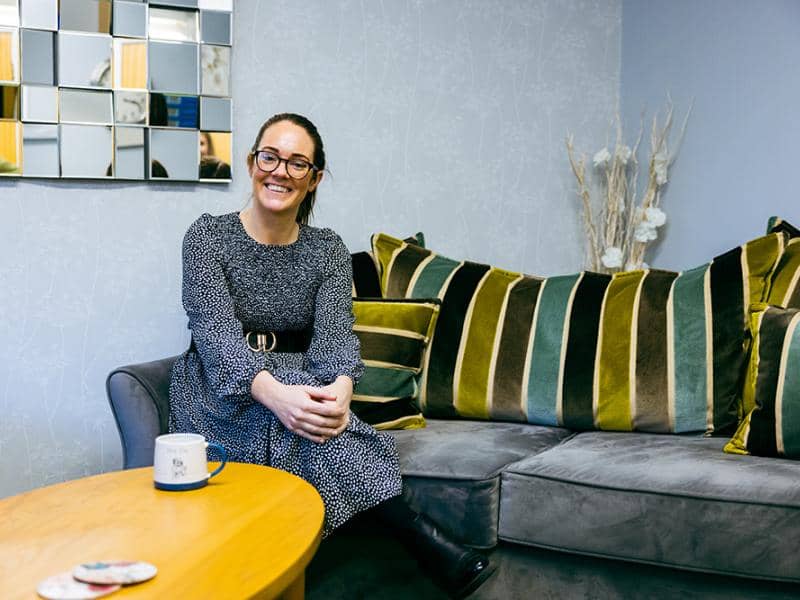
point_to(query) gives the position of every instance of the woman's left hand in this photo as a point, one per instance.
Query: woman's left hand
(342, 389)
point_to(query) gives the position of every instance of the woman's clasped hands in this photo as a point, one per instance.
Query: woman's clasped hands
(315, 413)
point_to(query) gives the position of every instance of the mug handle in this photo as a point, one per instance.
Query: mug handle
(224, 454)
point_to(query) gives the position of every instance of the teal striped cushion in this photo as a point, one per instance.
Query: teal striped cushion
(772, 427)
(394, 336)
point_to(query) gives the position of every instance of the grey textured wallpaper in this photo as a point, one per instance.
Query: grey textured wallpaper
(442, 116)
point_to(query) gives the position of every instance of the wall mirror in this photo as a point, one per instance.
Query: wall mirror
(116, 89)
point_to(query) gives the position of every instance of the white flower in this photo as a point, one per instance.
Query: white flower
(655, 216)
(612, 258)
(660, 164)
(636, 266)
(601, 158)
(645, 232)
(624, 154)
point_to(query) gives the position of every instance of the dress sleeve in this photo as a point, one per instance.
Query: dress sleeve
(334, 348)
(228, 364)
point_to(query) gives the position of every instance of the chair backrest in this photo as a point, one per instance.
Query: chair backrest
(139, 398)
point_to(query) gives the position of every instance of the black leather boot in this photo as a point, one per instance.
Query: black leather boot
(457, 569)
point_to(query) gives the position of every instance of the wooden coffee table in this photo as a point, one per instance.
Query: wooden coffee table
(249, 534)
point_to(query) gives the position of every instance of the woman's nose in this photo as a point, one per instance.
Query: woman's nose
(280, 170)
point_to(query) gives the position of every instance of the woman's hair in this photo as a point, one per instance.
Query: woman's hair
(209, 143)
(307, 206)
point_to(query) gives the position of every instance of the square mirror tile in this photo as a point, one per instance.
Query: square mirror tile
(216, 70)
(180, 3)
(215, 27)
(130, 64)
(85, 106)
(215, 114)
(174, 25)
(40, 150)
(38, 52)
(86, 151)
(170, 110)
(91, 16)
(10, 148)
(39, 14)
(84, 60)
(9, 102)
(215, 155)
(9, 13)
(129, 153)
(9, 55)
(215, 4)
(173, 68)
(40, 103)
(174, 154)
(130, 107)
(130, 19)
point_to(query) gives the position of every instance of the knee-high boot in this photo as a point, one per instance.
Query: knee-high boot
(458, 569)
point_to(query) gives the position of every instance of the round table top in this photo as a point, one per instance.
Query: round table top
(250, 532)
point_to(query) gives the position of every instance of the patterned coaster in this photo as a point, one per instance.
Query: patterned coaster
(123, 572)
(65, 587)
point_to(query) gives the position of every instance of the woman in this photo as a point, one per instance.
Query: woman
(273, 360)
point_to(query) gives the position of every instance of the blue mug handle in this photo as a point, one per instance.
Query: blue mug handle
(223, 452)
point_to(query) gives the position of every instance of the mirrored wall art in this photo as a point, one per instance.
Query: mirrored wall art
(116, 89)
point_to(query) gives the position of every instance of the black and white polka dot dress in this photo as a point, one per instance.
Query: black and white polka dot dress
(231, 284)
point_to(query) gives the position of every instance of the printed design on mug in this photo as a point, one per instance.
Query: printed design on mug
(178, 467)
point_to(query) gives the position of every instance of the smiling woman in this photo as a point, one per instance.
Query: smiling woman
(273, 360)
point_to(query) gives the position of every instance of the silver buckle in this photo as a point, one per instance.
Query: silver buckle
(261, 341)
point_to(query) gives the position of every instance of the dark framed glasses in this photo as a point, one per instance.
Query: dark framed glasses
(296, 168)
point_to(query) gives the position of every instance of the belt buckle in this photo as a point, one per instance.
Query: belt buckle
(261, 341)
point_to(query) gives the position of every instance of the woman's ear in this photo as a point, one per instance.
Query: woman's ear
(315, 181)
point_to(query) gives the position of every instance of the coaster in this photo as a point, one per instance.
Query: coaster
(64, 587)
(124, 572)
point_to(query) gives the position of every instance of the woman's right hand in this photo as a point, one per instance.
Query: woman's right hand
(307, 411)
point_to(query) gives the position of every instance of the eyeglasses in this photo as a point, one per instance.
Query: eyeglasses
(296, 168)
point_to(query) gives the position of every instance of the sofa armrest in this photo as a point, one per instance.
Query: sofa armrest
(139, 399)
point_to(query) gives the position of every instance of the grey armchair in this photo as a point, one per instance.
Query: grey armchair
(139, 398)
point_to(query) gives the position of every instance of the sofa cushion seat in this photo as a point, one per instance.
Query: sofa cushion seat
(451, 470)
(664, 499)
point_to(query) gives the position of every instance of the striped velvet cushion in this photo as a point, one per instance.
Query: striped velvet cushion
(783, 290)
(644, 350)
(394, 336)
(772, 427)
(366, 283)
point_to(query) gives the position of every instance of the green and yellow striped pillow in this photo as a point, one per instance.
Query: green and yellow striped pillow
(394, 336)
(643, 350)
(772, 426)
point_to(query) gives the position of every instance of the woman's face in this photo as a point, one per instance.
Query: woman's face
(276, 192)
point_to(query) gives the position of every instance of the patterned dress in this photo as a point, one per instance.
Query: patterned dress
(231, 284)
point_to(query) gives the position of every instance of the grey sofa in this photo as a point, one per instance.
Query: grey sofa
(563, 514)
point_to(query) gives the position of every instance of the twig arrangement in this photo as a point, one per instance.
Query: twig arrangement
(618, 228)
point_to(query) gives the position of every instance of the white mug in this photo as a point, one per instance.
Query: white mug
(180, 463)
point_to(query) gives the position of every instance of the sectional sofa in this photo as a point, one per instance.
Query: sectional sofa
(592, 468)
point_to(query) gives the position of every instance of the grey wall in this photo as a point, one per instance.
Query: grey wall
(739, 60)
(442, 116)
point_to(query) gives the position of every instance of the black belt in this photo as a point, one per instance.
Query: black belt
(275, 341)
